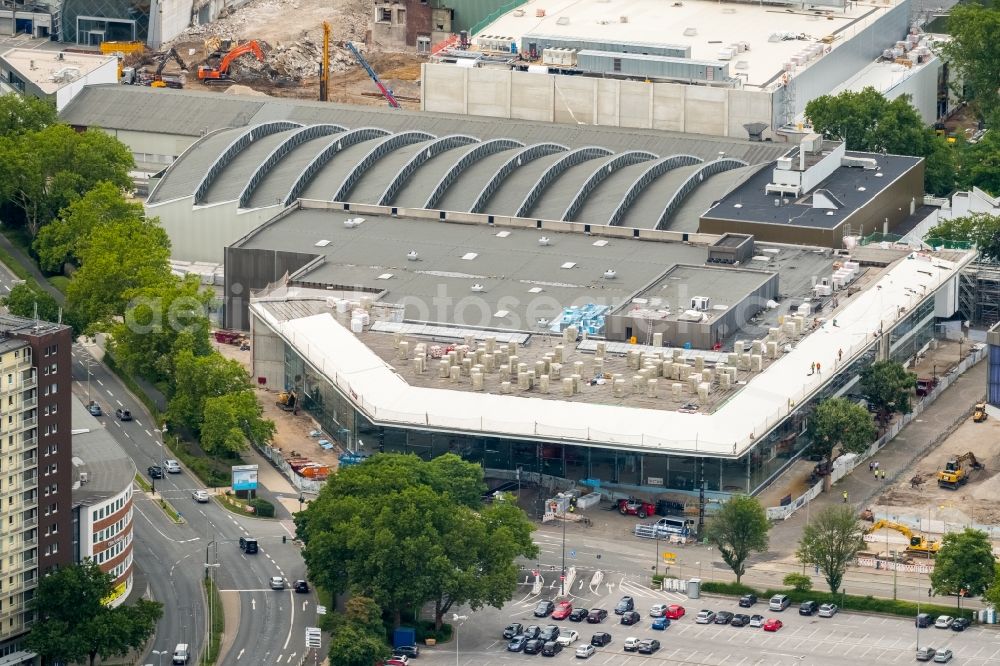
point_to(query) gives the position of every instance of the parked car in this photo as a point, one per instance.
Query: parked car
(772, 625)
(533, 646)
(942, 656)
(398, 659)
(658, 610)
(301, 587)
(532, 631)
(549, 633)
(961, 624)
(277, 583)
(631, 617)
(544, 608)
(705, 617)
(756, 620)
(123, 414)
(578, 615)
(94, 409)
(551, 649)
(172, 466)
(567, 638)
(828, 610)
(779, 602)
(648, 646)
(674, 612)
(924, 620)
(562, 611)
(635, 507)
(596, 615)
(513, 629)
(248, 545)
(723, 617)
(600, 639)
(808, 607)
(943, 621)
(200, 496)
(631, 644)
(155, 472)
(517, 643)
(585, 651)
(748, 600)
(926, 653)
(661, 623)
(740, 620)
(411, 651)
(626, 604)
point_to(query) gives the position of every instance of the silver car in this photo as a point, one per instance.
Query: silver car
(828, 610)
(277, 583)
(200, 496)
(585, 651)
(942, 656)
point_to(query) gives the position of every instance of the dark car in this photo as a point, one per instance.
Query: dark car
(551, 649)
(513, 629)
(248, 545)
(596, 615)
(549, 633)
(808, 608)
(517, 643)
(600, 639)
(625, 605)
(155, 472)
(723, 617)
(302, 587)
(123, 414)
(544, 608)
(533, 646)
(532, 631)
(411, 651)
(648, 646)
(630, 617)
(578, 615)
(924, 620)
(961, 624)
(740, 620)
(748, 600)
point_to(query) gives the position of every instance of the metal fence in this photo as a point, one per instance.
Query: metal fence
(503, 9)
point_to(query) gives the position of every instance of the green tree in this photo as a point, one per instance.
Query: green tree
(738, 529)
(22, 300)
(20, 114)
(160, 321)
(867, 121)
(992, 593)
(230, 420)
(120, 259)
(887, 385)
(798, 582)
(839, 422)
(351, 645)
(971, 53)
(979, 228)
(391, 530)
(57, 243)
(831, 542)
(74, 624)
(198, 378)
(981, 163)
(965, 562)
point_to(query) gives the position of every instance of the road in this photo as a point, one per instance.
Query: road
(271, 625)
(7, 280)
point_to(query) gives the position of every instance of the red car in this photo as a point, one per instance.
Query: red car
(674, 612)
(562, 611)
(635, 507)
(772, 625)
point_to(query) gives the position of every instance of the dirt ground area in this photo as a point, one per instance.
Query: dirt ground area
(293, 51)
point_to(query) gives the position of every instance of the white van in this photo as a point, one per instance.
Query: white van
(181, 654)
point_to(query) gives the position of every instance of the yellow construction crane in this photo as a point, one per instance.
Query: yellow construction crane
(955, 474)
(324, 72)
(917, 542)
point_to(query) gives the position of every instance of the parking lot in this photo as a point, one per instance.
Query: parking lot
(845, 638)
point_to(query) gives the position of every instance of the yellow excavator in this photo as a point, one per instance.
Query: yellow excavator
(979, 414)
(286, 400)
(918, 543)
(955, 474)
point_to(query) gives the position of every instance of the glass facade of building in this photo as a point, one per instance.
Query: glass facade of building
(90, 22)
(647, 471)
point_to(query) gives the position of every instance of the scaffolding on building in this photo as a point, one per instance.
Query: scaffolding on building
(986, 310)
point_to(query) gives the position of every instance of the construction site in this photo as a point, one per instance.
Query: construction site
(254, 49)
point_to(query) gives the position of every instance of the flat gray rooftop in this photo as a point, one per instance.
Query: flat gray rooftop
(109, 469)
(724, 287)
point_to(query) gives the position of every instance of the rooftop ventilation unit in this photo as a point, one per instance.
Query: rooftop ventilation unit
(754, 130)
(412, 255)
(544, 240)
(700, 303)
(610, 274)
(478, 287)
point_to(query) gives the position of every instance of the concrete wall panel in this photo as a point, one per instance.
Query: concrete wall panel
(634, 104)
(575, 99)
(669, 112)
(747, 106)
(706, 110)
(608, 103)
(448, 84)
(531, 96)
(489, 92)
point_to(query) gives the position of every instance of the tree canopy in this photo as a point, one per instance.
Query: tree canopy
(74, 624)
(831, 541)
(867, 121)
(979, 228)
(20, 114)
(972, 55)
(22, 301)
(965, 562)
(358, 635)
(738, 529)
(408, 532)
(840, 422)
(887, 385)
(198, 378)
(231, 420)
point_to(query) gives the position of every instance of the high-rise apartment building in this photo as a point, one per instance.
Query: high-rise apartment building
(35, 466)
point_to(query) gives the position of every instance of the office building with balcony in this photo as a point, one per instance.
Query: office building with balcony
(35, 461)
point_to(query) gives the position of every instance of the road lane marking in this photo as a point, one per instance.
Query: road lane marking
(148, 434)
(240, 654)
(138, 423)
(291, 623)
(278, 660)
(118, 401)
(99, 381)
(253, 603)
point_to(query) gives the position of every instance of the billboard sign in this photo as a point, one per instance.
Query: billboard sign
(244, 477)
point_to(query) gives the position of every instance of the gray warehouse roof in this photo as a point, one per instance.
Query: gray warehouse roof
(108, 468)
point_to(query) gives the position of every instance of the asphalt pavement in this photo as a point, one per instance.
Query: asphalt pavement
(270, 625)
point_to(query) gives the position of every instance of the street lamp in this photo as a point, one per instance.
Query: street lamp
(159, 655)
(455, 630)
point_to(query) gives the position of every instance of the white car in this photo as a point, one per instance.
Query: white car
(944, 621)
(631, 644)
(657, 610)
(567, 637)
(200, 496)
(756, 620)
(828, 610)
(172, 466)
(585, 651)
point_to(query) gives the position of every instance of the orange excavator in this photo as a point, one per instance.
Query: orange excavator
(210, 74)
